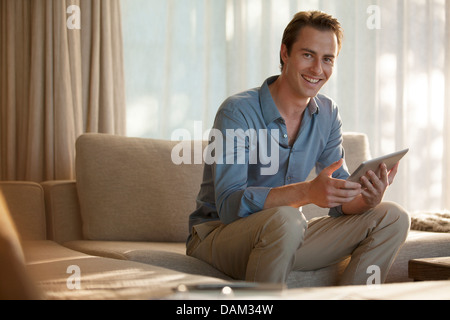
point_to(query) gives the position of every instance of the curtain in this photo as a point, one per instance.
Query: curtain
(392, 79)
(61, 74)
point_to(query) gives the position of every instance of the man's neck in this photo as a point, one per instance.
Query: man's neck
(290, 105)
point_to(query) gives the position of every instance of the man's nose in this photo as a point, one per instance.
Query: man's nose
(316, 67)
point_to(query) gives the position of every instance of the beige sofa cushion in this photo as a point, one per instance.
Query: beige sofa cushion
(130, 190)
(55, 268)
(169, 255)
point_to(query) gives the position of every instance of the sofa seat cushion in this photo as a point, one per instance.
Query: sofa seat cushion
(129, 189)
(172, 256)
(100, 278)
(419, 244)
(161, 254)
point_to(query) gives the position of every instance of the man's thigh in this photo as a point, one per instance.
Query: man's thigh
(330, 240)
(230, 247)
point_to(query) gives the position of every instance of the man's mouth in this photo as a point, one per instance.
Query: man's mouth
(311, 80)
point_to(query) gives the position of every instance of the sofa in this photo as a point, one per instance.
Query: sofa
(119, 230)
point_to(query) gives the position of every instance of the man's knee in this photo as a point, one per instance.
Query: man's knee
(287, 223)
(290, 218)
(397, 215)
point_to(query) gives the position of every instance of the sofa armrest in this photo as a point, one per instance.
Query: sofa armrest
(25, 202)
(15, 283)
(63, 211)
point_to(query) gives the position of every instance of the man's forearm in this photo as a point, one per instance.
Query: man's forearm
(294, 195)
(324, 191)
(297, 195)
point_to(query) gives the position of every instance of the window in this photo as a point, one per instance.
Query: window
(183, 58)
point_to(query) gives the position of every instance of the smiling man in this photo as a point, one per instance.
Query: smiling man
(249, 225)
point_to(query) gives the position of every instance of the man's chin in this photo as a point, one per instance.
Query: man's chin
(312, 93)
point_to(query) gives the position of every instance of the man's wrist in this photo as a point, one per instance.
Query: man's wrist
(357, 206)
(294, 195)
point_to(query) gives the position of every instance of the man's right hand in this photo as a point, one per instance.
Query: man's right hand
(327, 192)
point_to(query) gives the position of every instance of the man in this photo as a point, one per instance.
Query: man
(248, 224)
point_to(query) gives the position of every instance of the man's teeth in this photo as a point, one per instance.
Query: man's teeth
(311, 80)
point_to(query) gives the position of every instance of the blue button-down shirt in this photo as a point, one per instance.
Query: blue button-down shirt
(236, 187)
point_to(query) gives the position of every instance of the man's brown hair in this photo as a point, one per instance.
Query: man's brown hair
(316, 19)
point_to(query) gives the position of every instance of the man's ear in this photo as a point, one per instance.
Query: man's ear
(284, 55)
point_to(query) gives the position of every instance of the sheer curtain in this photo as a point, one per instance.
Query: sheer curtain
(392, 80)
(61, 74)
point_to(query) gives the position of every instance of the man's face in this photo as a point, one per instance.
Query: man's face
(311, 61)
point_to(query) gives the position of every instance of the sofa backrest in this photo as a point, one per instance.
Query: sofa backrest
(129, 189)
(357, 149)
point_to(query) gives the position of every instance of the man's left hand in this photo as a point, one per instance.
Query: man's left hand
(375, 186)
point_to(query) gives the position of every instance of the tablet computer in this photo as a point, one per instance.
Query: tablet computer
(390, 160)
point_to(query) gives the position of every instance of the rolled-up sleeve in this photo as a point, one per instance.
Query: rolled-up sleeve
(234, 198)
(238, 203)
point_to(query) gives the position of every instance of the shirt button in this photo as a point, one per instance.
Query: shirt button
(285, 136)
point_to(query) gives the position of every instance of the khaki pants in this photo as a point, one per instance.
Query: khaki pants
(268, 245)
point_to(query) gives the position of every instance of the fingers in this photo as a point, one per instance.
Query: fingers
(339, 192)
(327, 192)
(337, 183)
(379, 182)
(338, 200)
(332, 168)
(373, 183)
(374, 186)
(393, 173)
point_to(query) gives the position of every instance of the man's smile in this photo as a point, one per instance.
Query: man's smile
(311, 80)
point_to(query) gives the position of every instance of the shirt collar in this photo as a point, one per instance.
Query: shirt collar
(269, 109)
(313, 106)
